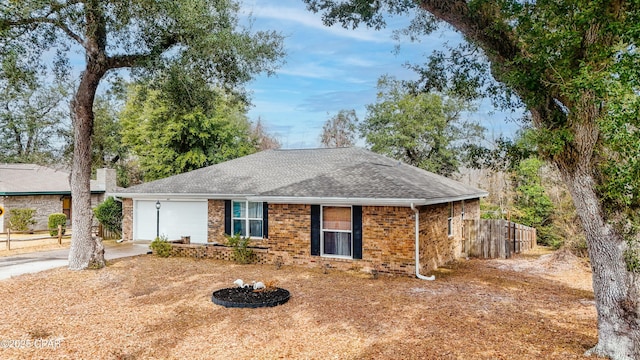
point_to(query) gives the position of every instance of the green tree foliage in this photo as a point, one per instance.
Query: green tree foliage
(109, 214)
(575, 65)
(31, 121)
(532, 205)
(149, 37)
(424, 129)
(503, 154)
(171, 136)
(340, 130)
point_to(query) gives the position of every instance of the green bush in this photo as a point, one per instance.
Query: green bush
(161, 246)
(55, 220)
(241, 253)
(21, 219)
(109, 213)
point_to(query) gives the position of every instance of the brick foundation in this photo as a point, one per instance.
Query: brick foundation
(217, 252)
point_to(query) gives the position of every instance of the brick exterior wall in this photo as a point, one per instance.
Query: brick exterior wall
(45, 205)
(127, 219)
(388, 237)
(290, 234)
(215, 226)
(436, 246)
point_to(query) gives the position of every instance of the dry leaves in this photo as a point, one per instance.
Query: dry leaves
(152, 308)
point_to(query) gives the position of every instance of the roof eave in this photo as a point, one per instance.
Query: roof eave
(177, 196)
(30, 193)
(303, 199)
(362, 201)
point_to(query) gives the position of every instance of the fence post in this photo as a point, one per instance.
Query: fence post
(59, 234)
(9, 239)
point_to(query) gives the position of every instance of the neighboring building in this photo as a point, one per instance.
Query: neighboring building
(346, 207)
(46, 190)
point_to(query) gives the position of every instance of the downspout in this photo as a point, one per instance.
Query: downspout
(418, 275)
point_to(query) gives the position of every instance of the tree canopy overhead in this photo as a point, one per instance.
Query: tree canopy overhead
(30, 118)
(575, 65)
(148, 37)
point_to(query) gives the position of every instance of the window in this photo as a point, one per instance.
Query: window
(247, 218)
(450, 220)
(336, 231)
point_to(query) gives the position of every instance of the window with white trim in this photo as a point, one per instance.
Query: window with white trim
(450, 220)
(247, 218)
(336, 232)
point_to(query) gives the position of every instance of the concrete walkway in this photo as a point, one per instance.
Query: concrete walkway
(45, 260)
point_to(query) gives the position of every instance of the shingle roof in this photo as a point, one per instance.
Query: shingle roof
(342, 173)
(27, 179)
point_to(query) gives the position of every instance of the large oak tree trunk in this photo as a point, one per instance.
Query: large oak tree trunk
(615, 288)
(86, 250)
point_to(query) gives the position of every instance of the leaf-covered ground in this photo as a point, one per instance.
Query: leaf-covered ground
(151, 308)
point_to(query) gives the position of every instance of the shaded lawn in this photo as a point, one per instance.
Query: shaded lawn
(152, 308)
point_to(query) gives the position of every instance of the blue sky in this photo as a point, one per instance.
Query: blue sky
(330, 68)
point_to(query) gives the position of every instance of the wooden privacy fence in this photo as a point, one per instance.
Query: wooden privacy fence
(490, 239)
(105, 234)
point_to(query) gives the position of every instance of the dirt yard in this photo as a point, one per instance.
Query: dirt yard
(533, 307)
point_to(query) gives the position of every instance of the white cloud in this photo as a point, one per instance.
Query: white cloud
(314, 21)
(310, 70)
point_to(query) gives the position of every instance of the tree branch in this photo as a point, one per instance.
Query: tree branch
(5, 24)
(478, 26)
(122, 61)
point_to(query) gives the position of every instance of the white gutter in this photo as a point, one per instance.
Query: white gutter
(421, 277)
(299, 199)
(178, 196)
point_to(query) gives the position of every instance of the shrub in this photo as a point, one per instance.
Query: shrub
(241, 253)
(56, 219)
(21, 219)
(161, 246)
(109, 213)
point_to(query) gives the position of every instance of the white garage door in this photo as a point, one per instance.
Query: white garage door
(177, 219)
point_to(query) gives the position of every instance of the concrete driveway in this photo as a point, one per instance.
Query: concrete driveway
(45, 260)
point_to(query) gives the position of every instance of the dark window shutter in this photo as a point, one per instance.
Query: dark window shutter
(265, 220)
(227, 217)
(315, 230)
(357, 232)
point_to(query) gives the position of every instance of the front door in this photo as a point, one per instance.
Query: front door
(66, 209)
